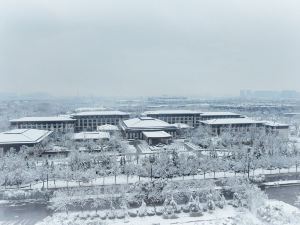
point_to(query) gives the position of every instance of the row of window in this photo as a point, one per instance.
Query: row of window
(46, 126)
(86, 122)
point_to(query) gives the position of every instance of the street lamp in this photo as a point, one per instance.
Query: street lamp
(151, 160)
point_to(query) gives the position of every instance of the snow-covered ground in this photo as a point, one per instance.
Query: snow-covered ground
(273, 213)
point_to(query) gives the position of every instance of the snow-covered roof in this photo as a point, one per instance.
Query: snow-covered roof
(230, 121)
(23, 136)
(91, 135)
(101, 113)
(157, 134)
(182, 126)
(107, 127)
(274, 124)
(219, 114)
(175, 111)
(43, 119)
(147, 123)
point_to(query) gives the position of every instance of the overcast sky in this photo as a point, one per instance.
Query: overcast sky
(141, 47)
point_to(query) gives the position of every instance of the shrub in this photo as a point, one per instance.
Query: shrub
(185, 208)
(133, 213)
(103, 215)
(111, 215)
(150, 211)
(120, 215)
(159, 210)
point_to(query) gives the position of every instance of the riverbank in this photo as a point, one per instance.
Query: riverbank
(273, 212)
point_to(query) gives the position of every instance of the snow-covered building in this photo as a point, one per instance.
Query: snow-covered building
(18, 137)
(277, 128)
(134, 128)
(91, 136)
(156, 137)
(90, 120)
(232, 124)
(295, 115)
(188, 117)
(108, 128)
(219, 115)
(62, 123)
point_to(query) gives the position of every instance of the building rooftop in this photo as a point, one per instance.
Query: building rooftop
(175, 111)
(274, 124)
(23, 136)
(107, 127)
(157, 134)
(231, 121)
(91, 135)
(219, 114)
(100, 113)
(147, 123)
(182, 126)
(43, 119)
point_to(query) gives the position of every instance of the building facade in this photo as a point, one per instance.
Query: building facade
(219, 115)
(52, 123)
(188, 117)
(218, 126)
(89, 121)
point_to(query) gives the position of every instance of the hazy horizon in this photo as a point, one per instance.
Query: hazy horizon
(148, 48)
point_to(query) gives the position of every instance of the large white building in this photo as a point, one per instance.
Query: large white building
(244, 125)
(134, 128)
(218, 126)
(54, 123)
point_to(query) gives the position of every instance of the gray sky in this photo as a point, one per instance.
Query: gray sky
(141, 47)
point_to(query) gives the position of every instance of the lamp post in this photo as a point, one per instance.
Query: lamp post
(151, 160)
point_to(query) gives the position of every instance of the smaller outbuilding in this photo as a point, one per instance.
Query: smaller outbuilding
(108, 128)
(22, 137)
(134, 128)
(157, 137)
(277, 128)
(91, 136)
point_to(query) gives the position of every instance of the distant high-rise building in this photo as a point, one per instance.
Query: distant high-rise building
(269, 94)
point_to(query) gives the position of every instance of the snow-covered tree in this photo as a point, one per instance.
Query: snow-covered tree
(142, 211)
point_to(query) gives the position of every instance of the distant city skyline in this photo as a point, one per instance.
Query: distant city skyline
(148, 48)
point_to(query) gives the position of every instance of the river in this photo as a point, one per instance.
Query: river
(22, 214)
(30, 213)
(287, 194)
